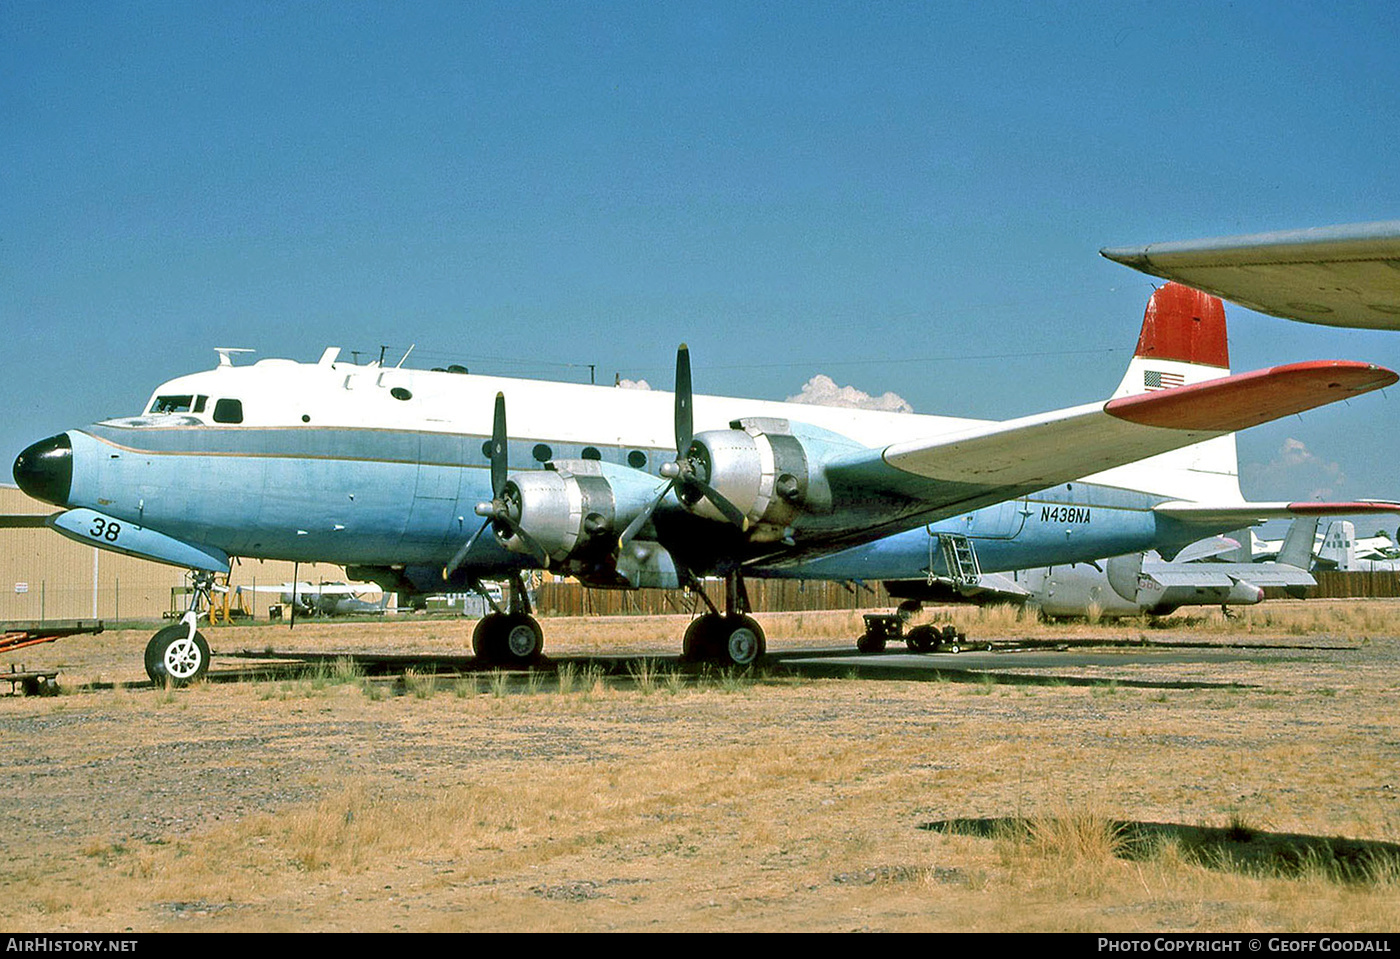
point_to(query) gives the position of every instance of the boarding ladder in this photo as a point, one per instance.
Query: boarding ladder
(952, 560)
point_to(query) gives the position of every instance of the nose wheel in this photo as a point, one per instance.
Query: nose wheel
(177, 656)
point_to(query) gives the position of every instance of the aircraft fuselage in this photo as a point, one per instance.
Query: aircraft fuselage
(372, 467)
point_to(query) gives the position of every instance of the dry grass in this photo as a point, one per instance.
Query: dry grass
(657, 800)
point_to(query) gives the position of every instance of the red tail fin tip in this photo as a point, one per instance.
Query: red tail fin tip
(1186, 325)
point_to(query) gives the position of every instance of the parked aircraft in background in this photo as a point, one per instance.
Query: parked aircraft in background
(325, 599)
(1378, 547)
(1341, 550)
(1141, 583)
(375, 468)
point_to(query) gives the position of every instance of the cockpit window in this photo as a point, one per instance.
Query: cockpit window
(228, 411)
(172, 404)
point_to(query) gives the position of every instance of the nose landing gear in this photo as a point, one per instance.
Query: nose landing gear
(179, 654)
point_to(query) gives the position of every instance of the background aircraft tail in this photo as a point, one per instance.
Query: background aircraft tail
(1183, 341)
(1338, 550)
(1298, 544)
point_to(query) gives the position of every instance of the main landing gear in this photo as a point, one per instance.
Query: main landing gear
(179, 655)
(731, 638)
(508, 637)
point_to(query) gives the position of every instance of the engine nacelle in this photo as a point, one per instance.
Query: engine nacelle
(575, 507)
(770, 469)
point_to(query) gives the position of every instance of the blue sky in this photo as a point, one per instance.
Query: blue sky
(905, 197)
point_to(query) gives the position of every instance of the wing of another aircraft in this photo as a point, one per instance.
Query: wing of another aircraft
(1207, 549)
(1336, 276)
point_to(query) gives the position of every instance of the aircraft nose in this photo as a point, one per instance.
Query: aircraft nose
(45, 470)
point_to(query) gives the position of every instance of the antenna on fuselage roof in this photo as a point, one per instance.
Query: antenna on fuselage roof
(399, 364)
(225, 359)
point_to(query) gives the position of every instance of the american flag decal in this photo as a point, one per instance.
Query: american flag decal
(1157, 380)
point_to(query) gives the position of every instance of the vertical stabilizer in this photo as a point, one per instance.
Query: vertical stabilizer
(1339, 546)
(1183, 341)
(1298, 544)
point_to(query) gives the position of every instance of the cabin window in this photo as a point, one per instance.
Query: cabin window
(399, 393)
(591, 453)
(228, 411)
(172, 404)
(637, 459)
(542, 453)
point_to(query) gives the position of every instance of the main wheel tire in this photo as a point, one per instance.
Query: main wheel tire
(743, 643)
(173, 658)
(700, 643)
(485, 637)
(522, 639)
(511, 639)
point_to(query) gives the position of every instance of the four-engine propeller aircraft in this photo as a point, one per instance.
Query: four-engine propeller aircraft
(378, 469)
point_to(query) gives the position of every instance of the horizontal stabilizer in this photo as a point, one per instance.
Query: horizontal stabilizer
(1196, 576)
(1336, 276)
(1246, 514)
(1277, 576)
(1050, 448)
(1226, 575)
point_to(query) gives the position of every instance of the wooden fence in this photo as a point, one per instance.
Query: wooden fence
(765, 595)
(1380, 585)
(780, 595)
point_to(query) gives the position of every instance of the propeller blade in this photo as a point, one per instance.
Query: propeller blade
(685, 422)
(460, 556)
(500, 468)
(730, 511)
(500, 460)
(635, 527)
(537, 551)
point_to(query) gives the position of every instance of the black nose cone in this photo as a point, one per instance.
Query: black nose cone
(45, 470)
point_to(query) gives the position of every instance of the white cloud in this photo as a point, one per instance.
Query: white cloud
(821, 390)
(632, 384)
(1296, 473)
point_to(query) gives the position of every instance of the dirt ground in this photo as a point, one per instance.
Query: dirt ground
(659, 799)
